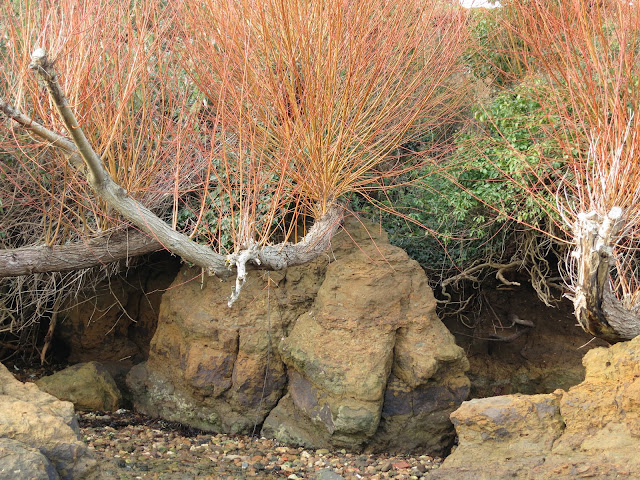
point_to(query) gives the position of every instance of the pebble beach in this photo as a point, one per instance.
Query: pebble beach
(132, 446)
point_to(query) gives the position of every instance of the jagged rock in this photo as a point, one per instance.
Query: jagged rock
(215, 367)
(353, 336)
(593, 430)
(370, 364)
(18, 460)
(89, 386)
(40, 421)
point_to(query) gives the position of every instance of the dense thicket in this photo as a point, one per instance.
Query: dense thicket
(227, 131)
(239, 132)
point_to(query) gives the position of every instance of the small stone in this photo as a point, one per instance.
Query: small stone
(326, 474)
(386, 467)
(401, 465)
(322, 451)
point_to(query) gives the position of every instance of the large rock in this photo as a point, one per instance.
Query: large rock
(215, 367)
(18, 460)
(370, 363)
(352, 338)
(89, 386)
(593, 430)
(37, 420)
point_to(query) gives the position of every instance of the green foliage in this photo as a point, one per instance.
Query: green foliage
(490, 56)
(486, 186)
(505, 160)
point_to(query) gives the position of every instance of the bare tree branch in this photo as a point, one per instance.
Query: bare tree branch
(112, 193)
(63, 258)
(270, 256)
(34, 127)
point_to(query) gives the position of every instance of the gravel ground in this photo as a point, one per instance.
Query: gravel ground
(132, 446)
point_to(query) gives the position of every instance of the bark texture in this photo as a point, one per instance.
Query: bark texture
(64, 258)
(596, 307)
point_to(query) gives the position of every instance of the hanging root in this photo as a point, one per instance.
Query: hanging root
(240, 260)
(284, 255)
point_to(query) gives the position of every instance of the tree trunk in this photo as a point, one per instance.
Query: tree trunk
(597, 309)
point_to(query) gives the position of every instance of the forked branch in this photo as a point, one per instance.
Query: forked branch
(269, 256)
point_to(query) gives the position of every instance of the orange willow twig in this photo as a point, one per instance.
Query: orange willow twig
(126, 93)
(315, 97)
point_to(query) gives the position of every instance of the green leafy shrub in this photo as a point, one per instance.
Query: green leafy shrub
(475, 208)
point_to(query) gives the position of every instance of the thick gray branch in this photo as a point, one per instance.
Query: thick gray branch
(63, 258)
(314, 243)
(271, 256)
(112, 193)
(284, 255)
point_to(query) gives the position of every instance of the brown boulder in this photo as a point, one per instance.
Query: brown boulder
(18, 460)
(370, 364)
(89, 386)
(215, 367)
(352, 336)
(40, 421)
(593, 430)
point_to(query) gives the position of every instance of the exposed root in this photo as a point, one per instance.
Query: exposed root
(240, 260)
(469, 275)
(283, 255)
(52, 328)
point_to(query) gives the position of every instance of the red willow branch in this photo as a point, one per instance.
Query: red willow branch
(273, 256)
